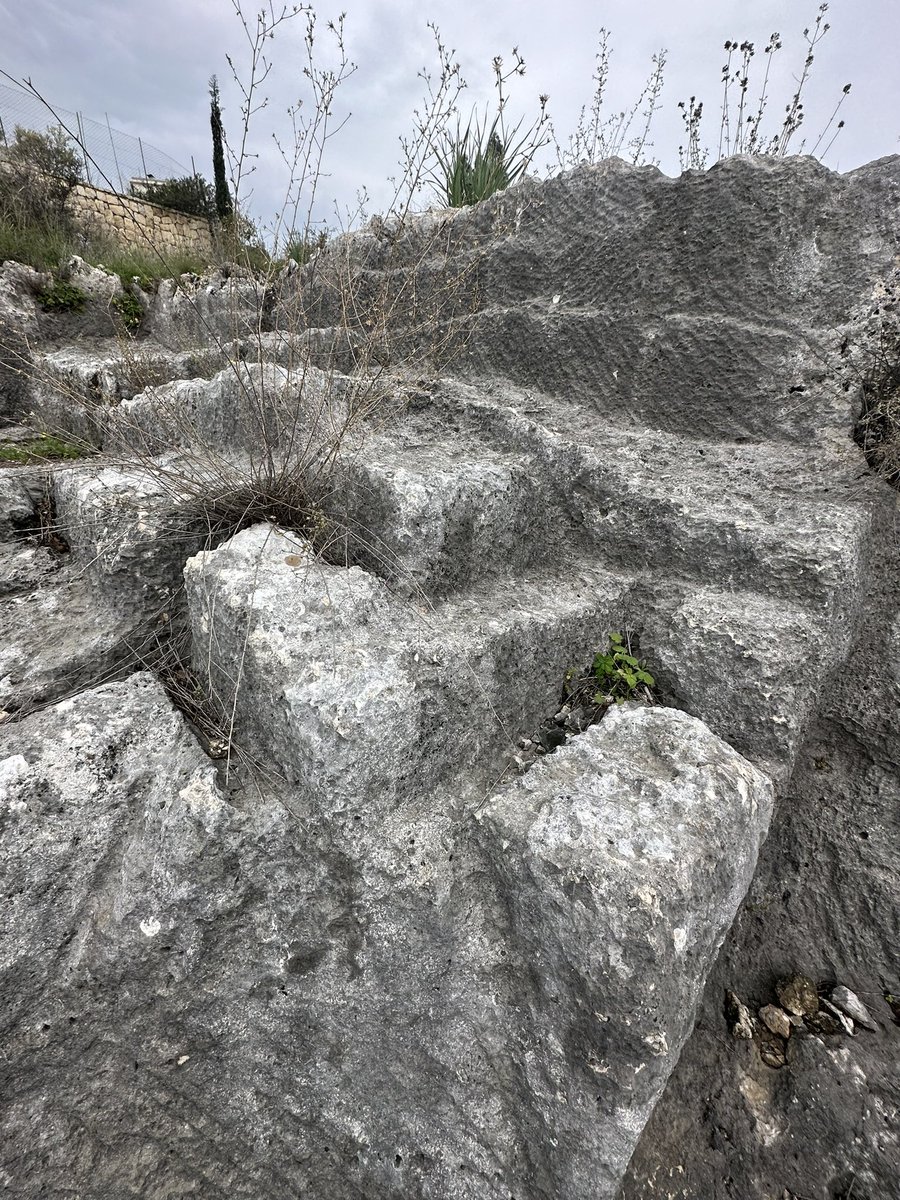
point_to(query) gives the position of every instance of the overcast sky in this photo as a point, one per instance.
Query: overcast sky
(145, 64)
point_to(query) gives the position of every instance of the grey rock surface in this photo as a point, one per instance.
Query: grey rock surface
(245, 407)
(364, 558)
(73, 390)
(586, 847)
(19, 286)
(219, 307)
(824, 903)
(359, 696)
(58, 639)
(399, 1005)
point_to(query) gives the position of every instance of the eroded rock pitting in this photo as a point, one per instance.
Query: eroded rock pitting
(378, 963)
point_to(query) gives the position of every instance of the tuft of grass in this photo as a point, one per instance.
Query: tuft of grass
(45, 448)
(145, 268)
(300, 248)
(881, 429)
(42, 246)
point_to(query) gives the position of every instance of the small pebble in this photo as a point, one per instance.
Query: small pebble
(772, 1048)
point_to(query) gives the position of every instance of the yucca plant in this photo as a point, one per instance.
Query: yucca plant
(485, 157)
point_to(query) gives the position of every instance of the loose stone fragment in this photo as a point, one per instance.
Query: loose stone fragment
(776, 1019)
(844, 1021)
(739, 1017)
(798, 995)
(824, 1023)
(772, 1048)
(849, 1003)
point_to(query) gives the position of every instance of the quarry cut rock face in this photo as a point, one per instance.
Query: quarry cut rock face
(339, 927)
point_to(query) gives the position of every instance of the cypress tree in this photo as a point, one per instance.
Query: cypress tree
(224, 206)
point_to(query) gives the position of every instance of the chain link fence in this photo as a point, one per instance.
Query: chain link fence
(112, 159)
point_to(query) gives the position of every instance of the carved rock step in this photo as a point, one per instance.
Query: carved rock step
(26, 560)
(721, 653)
(57, 635)
(364, 697)
(749, 665)
(431, 509)
(765, 516)
(327, 665)
(265, 410)
(131, 528)
(431, 513)
(738, 578)
(74, 392)
(659, 371)
(483, 483)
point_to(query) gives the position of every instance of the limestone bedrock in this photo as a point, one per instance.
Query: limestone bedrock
(324, 931)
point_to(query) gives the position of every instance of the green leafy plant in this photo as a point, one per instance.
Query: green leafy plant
(129, 310)
(62, 297)
(620, 674)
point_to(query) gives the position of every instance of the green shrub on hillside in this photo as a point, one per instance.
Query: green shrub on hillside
(192, 195)
(39, 172)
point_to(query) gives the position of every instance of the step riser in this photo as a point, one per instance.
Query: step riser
(364, 699)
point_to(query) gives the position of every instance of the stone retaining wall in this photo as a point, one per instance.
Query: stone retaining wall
(138, 223)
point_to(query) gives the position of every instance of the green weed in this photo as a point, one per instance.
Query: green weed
(62, 297)
(620, 675)
(129, 310)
